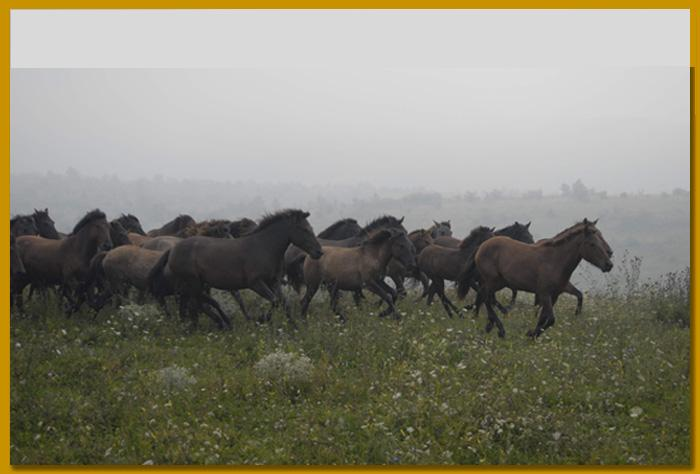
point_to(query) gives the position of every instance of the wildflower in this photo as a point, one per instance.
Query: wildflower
(175, 377)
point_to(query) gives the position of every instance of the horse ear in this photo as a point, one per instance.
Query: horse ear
(306, 214)
(436, 223)
(527, 226)
(401, 220)
(594, 222)
(46, 210)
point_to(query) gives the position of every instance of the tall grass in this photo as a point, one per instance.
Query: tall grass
(610, 386)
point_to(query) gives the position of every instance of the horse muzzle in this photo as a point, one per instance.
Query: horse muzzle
(316, 254)
(608, 266)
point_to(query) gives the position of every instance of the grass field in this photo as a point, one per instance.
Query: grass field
(609, 386)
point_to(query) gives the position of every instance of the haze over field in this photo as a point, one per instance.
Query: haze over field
(442, 129)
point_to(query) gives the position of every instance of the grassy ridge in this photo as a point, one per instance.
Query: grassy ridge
(609, 386)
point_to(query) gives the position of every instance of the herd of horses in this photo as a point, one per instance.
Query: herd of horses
(100, 261)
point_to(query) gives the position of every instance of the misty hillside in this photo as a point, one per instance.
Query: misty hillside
(653, 227)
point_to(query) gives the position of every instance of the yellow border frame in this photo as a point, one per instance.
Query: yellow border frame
(391, 4)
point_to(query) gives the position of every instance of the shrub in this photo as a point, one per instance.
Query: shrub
(670, 298)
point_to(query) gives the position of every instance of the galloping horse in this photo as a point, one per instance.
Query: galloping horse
(254, 261)
(441, 263)
(543, 269)
(395, 270)
(64, 262)
(294, 258)
(354, 268)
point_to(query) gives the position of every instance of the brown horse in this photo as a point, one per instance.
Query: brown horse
(543, 269)
(173, 227)
(65, 262)
(253, 261)
(121, 268)
(294, 257)
(395, 270)
(441, 263)
(354, 268)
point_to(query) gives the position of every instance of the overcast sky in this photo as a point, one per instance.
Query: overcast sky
(439, 126)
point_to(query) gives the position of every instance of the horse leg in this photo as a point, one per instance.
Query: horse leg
(237, 296)
(263, 290)
(512, 299)
(572, 290)
(357, 296)
(546, 313)
(281, 299)
(335, 298)
(398, 282)
(439, 285)
(431, 293)
(376, 288)
(493, 317)
(202, 302)
(215, 304)
(311, 290)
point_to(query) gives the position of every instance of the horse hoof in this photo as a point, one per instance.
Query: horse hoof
(501, 334)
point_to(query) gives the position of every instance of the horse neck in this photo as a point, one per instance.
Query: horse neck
(569, 254)
(80, 243)
(381, 252)
(275, 238)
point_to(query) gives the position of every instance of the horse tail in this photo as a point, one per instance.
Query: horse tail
(295, 272)
(466, 278)
(155, 275)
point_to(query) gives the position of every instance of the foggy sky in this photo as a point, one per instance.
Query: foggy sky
(446, 129)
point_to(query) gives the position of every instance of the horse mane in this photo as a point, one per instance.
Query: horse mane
(417, 231)
(475, 234)
(324, 234)
(566, 234)
(382, 221)
(269, 219)
(379, 237)
(87, 218)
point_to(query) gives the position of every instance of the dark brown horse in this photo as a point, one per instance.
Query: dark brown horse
(23, 225)
(543, 269)
(65, 262)
(354, 268)
(395, 270)
(131, 223)
(118, 234)
(443, 263)
(45, 224)
(254, 261)
(173, 227)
